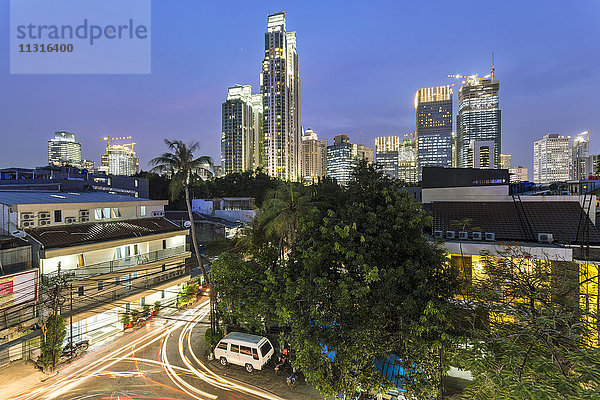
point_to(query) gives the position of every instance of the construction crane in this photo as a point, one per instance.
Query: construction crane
(108, 139)
(476, 78)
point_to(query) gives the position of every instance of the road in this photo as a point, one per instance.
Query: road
(158, 361)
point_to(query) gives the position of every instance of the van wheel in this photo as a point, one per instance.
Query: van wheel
(249, 367)
(223, 361)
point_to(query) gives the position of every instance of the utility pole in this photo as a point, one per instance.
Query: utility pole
(71, 344)
(57, 290)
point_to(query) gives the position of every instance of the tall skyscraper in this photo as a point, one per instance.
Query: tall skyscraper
(63, 149)
(396, 156)
(433, 114)
(478, 119)
(314, 157)
(241, 141)
(280, 89)
(551, 158)
(505, 161)
(120, 159)
(581, 163)
(341, 159)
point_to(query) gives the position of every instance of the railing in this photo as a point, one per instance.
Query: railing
(107, 267)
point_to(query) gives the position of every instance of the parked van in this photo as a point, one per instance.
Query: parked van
(251, 351)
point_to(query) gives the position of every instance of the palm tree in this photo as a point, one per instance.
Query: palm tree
(183, 169)
(283, 208)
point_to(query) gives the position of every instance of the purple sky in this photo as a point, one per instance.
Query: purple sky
(360, 64)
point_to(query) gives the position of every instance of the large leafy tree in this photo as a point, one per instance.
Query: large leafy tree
(282, 210)
(363, 282)
(530, 337)
(183, 167)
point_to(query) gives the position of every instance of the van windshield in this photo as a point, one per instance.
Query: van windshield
(265, 348)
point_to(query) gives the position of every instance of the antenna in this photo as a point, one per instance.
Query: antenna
(493, 68)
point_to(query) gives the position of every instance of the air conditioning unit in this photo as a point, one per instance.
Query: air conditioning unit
(450, 234)
(438, 234)
(26, 216)
(545, 238)
(84, 213)
(463, 235)
(84, 219)
(477, 235)
(490, 237)
(28, 224)
(70, 220)
(44, 222)
(158, 213)
(44, 215)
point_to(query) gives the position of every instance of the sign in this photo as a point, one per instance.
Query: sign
(44, 329)
(18, 289)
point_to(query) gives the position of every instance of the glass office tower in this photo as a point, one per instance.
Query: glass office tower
(478, 120)
(433, 112)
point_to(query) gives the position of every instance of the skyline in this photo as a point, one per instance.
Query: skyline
(549, 90)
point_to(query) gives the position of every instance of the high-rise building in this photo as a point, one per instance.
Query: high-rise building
(551, 158)
(505, 161)
(280, 90)
(581, 163)
(63, 149)
(341, 159)
(396, 156)
(518, 174)
(241, 124)
(433, 115)
(314, 157)
(88, 165)
(478, 119)
(365, 153)
(120, 159)
(483, 154)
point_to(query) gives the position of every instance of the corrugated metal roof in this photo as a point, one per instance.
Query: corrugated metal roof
(69, 235)
(511, 222)
(23, 197)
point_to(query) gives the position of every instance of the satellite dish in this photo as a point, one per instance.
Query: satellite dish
(187, 224)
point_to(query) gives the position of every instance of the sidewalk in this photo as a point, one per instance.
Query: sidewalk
(18, 376)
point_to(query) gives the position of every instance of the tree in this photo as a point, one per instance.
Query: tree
(282, 210)
(363, 282)
(181, 165)
(53, 340)
(529, 337)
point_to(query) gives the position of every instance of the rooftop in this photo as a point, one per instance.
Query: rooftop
(246, 337)
(36, 197)
(77, 234)
(518, 221)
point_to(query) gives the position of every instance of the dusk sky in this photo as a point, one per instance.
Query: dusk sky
(360, 65)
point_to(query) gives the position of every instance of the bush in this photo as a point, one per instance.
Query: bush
(53, 340)
(213, 340)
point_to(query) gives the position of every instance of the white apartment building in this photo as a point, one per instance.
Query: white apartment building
(551, 158)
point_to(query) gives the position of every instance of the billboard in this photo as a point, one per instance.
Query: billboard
(18, 289)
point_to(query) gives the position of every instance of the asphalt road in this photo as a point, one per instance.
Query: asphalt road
(159, 361)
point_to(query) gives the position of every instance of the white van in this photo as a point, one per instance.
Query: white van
(251, 351)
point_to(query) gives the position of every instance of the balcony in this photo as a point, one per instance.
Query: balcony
(108, 267)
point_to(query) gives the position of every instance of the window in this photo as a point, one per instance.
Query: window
(127, 281)
(100, 285)
(106, 213)
(115, 213)
(235, 348)
(222, 346)
(127, 251)
(247, 351)
(80, 291)
(136, 249)
(127, 307)
(255, 354)
(265, 348)
(98, 213)
(118, 253)
(57, 215)
(80, 260)
(164, 267)
(143, 301)
(136, 183)
(117, 280)
(143, 211)
(162, 294)
(164, 243)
